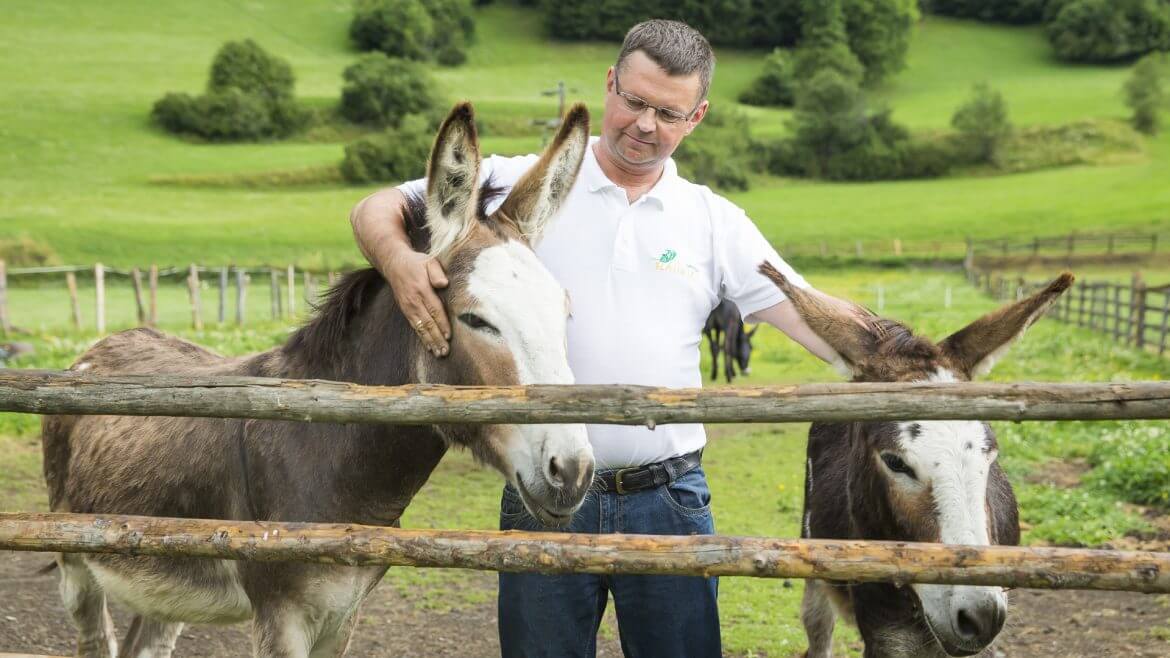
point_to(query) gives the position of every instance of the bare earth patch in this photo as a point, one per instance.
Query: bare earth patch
(1043, 624)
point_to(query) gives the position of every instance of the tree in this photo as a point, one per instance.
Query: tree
(982, 123)
(382, 90)
(244, 65)
(830, 119)
(1145, 92)
(399, 28)
(824, 43)
(879, 34)
(1109, 30)
(776, 85)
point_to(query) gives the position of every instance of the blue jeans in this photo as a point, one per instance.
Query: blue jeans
(557, 616)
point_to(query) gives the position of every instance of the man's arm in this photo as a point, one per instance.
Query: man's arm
(784, 317)
(380, 231)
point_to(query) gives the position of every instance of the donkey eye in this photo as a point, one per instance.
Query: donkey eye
(895, 464)
(475, 322)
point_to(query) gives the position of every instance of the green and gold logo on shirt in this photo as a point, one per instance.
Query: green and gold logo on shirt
(667, 263)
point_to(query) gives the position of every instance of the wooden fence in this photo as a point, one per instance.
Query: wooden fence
(287, 285)
(1135, 314)
(55, 393)
(232, 283)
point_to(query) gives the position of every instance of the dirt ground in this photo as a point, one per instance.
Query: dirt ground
(1042, 624)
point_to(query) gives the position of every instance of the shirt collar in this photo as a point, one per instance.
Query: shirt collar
(595, 179)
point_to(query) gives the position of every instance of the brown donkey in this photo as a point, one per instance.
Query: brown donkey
(510, 329)
(927, 481)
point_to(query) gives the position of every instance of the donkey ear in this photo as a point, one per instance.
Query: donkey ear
(538, 194)
(975, 348)
(453, 180)
(849, 331)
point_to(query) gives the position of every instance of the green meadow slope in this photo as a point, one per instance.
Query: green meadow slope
(77, 151)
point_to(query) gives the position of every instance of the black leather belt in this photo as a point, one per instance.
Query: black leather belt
(638, 478)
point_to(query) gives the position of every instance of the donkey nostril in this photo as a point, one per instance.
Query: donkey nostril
(554, 472)
(968, 625)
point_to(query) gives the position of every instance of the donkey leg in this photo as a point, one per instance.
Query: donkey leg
(334, 644)
(86, 604)
(280, 633)
(819, 617)
(714, 342)
(150, 638)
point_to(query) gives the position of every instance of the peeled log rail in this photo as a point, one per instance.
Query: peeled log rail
(48, 392)
(357, 545)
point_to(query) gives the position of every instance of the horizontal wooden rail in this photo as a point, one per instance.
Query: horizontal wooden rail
(45, 392)
(1007, 566)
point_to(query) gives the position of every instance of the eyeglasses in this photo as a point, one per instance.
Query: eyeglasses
(638, 106)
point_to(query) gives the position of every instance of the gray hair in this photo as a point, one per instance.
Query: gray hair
(675, 46)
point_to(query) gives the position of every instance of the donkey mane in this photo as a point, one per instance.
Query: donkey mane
(896, 353)
(322, 337)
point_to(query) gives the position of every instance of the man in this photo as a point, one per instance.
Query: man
(645, 256)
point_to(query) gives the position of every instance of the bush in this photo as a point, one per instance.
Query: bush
(381, 90)
(249, 96)
(719, 153)
(244, 65)
(1109, 30)
(414, 29)
(1145, 92)
(982, 123)
(1003, 11)
(836, 136)
(396, 155)
(776, 86)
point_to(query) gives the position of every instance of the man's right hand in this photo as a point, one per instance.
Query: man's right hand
(381, 235)
(413, 278)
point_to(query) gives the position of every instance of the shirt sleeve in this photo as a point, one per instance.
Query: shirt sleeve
(740, 248)
(504, 171)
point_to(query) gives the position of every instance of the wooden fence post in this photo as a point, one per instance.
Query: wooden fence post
(292, 292)
(71, 284)
(310, 297)
(274, 293)
(824, 249)
(1165, 320)
(136, 279)
(5, 327)
(1117, 312)
(1137, 301)
(857, 246)
(241, 294)
(1081, 304)
(99, 282)
(223, 288)
(153, 283)
(897, 247)
(193, 295)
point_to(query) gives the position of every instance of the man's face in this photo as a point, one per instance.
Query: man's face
(641, 141)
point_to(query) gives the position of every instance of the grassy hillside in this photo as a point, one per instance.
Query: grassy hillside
(79, 152)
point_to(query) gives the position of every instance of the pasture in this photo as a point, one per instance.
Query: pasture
(80, 165)
(1070, 494)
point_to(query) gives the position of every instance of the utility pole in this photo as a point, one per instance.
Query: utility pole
(550, 125)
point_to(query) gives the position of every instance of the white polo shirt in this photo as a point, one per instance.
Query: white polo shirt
(642, 279)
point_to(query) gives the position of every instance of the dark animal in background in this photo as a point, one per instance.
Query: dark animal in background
(928, 481)
(726, 335)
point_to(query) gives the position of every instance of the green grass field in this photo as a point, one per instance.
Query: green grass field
(79, 152)
(756, 471)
